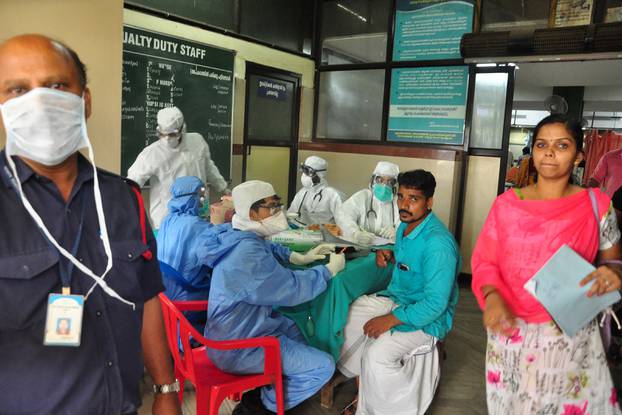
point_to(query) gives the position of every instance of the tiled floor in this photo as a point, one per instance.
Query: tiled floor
(461, 389)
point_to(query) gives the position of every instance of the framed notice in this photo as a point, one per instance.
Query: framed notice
(566, 13)
(428, 105)
(431, 29)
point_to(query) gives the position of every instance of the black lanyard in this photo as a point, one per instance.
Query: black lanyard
(65, 272)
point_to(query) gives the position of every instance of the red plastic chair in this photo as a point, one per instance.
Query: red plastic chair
(213, 385)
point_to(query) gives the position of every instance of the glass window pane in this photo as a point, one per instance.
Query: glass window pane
(270, 107)
(513, 14)
(488, 110)
(614, 11)
(350, 104)
(354, 31)
(284, 23)
(528, 118)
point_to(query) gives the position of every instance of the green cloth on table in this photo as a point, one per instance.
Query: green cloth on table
(322, 319)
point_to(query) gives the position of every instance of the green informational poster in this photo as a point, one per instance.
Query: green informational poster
(431, 29)
(428, 105)
(161, 71)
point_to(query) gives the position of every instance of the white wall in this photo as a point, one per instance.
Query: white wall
(93, 28)
(603, 93)
(531, 92)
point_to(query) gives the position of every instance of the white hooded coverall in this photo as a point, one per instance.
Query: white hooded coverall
(357, 212)
(162, 164)
(317, 204)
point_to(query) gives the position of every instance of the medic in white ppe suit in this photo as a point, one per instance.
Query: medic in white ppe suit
(177, 153)
(372, 212)
(249, 279)
(316, 202)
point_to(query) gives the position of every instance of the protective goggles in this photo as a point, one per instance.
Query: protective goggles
(200, 193)
(309, 171)
(174, 134)
(273, 207)
(389, 181)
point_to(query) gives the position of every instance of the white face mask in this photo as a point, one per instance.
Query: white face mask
(32, 122)
(45, 125)
(171, 142)
(307, 181)
(274, 224)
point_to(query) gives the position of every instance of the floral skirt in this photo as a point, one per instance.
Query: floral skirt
(539, 370)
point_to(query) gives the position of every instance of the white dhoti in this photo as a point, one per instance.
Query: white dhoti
(399, 371)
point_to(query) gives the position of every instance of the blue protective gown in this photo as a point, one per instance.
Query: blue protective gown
(178, 242)
(248, 281)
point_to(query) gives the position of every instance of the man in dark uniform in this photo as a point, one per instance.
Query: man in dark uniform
(64, 227)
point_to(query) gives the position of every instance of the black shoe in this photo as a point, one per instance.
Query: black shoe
(251, 404)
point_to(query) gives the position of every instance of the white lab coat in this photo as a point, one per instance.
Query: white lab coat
(353, 214)
(316, 205)
(162, 165)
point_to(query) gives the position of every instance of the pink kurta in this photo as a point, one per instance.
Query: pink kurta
(537, 369)
(519, 236)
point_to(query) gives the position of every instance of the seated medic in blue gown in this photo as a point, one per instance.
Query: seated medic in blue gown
(185, 274)
(249, 279)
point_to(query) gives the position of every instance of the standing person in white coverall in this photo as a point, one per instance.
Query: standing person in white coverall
(316, 202)
(373, 211)
(177, 153)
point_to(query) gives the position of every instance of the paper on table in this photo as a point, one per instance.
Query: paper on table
(377, 241)
(556, 286)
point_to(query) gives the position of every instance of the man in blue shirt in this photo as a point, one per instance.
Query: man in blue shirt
(70, 228)
(390, 336)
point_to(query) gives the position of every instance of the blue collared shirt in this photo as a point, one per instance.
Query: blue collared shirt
(102, 375)
(424, 283)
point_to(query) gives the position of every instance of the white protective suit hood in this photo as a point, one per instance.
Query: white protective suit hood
(386, 168)
(244, 195)
(170, 120)
(319, 165)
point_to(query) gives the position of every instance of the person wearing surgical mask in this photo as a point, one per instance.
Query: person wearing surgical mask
(176, 153)
(186, 278)
(74, 238)
(316, 202)
(373, 211)
(250, 278)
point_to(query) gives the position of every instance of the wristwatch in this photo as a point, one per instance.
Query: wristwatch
(168, 388)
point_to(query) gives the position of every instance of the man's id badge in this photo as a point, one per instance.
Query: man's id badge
(63, 323)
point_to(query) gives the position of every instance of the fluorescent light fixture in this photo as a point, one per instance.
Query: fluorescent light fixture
(352, 12)
(545, 58)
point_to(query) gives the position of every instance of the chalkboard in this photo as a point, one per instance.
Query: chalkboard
(160, 71)
(220, 13)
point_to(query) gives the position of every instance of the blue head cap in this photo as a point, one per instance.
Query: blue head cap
(187, 193)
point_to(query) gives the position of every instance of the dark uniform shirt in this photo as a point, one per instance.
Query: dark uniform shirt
(102, 375)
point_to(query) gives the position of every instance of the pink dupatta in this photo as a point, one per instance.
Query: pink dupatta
(519, 236)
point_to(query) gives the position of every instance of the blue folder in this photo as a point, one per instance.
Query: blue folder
(556, 286)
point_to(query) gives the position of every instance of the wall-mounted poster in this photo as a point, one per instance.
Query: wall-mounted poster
(572, 12)
(428, 105)
(431, 29)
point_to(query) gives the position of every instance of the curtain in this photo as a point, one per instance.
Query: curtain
(596, 144)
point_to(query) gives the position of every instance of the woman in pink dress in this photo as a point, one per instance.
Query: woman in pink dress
(531, 366)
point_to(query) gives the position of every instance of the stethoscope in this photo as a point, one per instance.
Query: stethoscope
(372, 211)
(318, 196)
